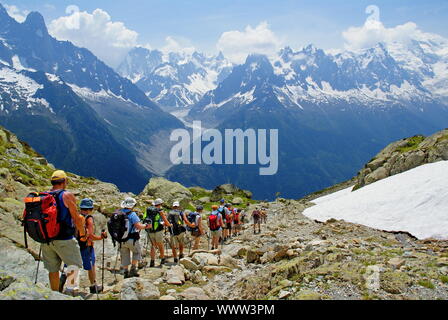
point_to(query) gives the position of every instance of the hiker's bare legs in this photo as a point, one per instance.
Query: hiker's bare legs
(181, 249)
(161, 250)
(92, 275)
(54, 280)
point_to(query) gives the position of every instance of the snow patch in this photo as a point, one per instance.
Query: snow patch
(414, 201)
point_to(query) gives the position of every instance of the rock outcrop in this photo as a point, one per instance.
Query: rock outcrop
(168, 191)
(404, 155)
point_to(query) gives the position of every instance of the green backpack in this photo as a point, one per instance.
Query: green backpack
(153, 217)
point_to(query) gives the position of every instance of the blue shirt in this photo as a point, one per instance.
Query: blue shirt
(133, 219)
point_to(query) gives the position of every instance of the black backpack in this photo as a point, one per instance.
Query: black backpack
(175, 218)
(192, 219)
(119, 226)
(153, 217)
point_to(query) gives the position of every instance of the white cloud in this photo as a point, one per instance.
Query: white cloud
(108, 40)
(16, 13)
(374, 31)
(177, 45)
(237, 45)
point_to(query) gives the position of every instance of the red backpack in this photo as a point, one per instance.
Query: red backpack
(213, 222)
(40, 217)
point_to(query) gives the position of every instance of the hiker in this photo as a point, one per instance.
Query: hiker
(215, 224)
(196, 228)
(156, 217)
(222, 210)
(177, 231)
(86, 243)
(237, 221)
(64, 247)
(264, 215)
(256, 216)
(131, 243)
(229, 220)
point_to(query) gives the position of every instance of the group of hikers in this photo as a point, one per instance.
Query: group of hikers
(67, 235)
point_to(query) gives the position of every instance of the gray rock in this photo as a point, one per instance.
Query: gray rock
(139, 289)
(175, 275)
(168, 191)
(194, 293)
(189, 264)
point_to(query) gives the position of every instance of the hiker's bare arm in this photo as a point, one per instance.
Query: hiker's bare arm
(188, 223)
(165, 220)
(90, 232)
(70, 203)
(141, 226)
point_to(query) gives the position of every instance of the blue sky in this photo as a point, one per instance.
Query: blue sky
(200, 23)
(203, 21)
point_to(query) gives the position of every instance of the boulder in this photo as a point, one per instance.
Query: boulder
(189, 264)
(17, 288)
(252, 256)
(396, 263)
(203, 259)
(216, 269)
(175, 275)
(194, 293)
(237, 201)
(228, 261)
(168, 191)
(139, 289)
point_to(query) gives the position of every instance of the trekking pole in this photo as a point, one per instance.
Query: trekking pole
(102, 265)
(38, 262)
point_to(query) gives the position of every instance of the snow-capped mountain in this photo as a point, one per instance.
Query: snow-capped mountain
(174, 79)
(340, 109)
(72, 99)
(310, 78)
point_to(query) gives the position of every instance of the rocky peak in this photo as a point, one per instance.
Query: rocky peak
(35, 21)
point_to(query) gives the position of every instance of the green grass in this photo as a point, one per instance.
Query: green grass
(412, 144)
(426, 283)
(444, 279)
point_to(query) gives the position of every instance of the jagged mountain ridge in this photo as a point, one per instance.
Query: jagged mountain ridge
(174, 79)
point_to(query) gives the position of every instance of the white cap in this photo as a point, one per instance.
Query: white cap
(129, 203)
(158, 201)
(176, 204)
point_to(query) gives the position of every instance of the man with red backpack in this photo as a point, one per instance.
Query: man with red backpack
(58, 242)
(215, 225)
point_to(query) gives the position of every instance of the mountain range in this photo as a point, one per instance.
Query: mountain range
(77, 111)
(334, 111)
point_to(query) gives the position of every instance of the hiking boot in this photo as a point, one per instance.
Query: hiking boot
(181, 256)
(162, 261)
(142, 264)
(152, 264)
(126, 274)
(176, 260)
(96, 289)
(133, 273)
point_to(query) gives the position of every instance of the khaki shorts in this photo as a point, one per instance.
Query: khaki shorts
(177, 240)
(156, 237)
(59, 251)
(217, 233)
(126, 249)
